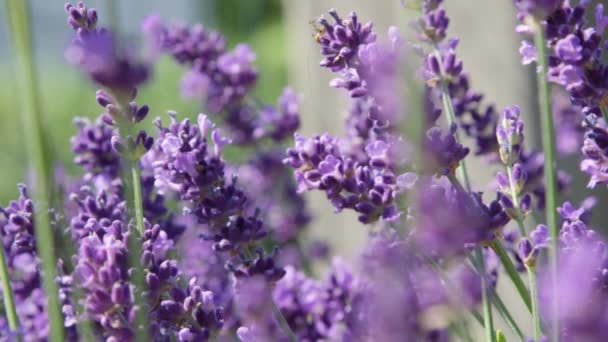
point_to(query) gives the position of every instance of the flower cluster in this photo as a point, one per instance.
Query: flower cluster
(370, 188)
(19, 243)
(198, 246)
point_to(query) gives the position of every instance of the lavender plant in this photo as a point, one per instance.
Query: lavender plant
(176, 240)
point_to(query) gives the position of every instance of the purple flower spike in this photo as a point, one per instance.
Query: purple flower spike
(341, 40)
(97, 53)
(449, 220)
(594, 150)
(442, 152)
(510, 135)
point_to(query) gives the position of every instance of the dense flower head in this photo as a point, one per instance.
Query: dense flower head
(340, 40)
(193, 45)
(510, 135)
(93, 150)
(17, 228)
(450, 220)
(574, 48)
(443, 68)
(223, 78)
(234, 262)
(369, 187)
(595, 162)
(442, 153)
(97, 52)
(434, 22)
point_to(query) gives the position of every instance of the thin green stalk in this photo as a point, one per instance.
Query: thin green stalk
(7, 294)
(500, 305)
(448, 108)
(137, 198)
(604, 110)
(535, 310)
(27, 82)
(141, 327)
(449, 287)
(548, 140)
(512, 273)
(136, 211)
(487, 307)
(283, 323)
(504, 312)
(278, 315)
(515, 199)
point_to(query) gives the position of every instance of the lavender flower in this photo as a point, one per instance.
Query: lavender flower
(443, 67)
(595, 159)
(449, 220)
(510, 135)
(19, 243)
(341, 40)
(93, 150)
(574, 46)
(370, 188)
(442, 154)
(96, 51)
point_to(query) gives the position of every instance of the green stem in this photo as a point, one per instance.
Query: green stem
(487, 307)
(449, 287)
(515, 199)
(137, 198)
(7, 292)
(135, 242)
(283, 323)
(604, 110)
(500, 305)
(535, 310)
(448, 108)
(512, 273)
(136, 212)
(504, 312)
(27, 82)
(548, 140)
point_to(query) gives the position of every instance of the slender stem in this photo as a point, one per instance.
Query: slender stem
(135, 201)
(487, 307)
(500, 305)
(535, 310)
(448, 108)
(548, 140)
(137, 198)
(7, 293)
(141, 328)
(449, 287)
(515, 199)
(504, 312)
(512, 273)
(18, 17)
(283, 323)
(604, 110)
